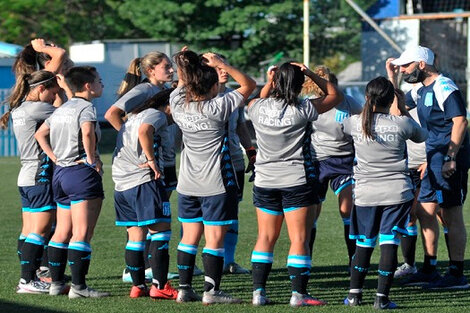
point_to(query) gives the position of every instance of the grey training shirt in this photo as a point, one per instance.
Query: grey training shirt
(137, 96)
(26, 120)
(381, 173)
(65, 130)
(280, 134)
(237, 117)
(203, 125)
(128, 154)
(328, 139)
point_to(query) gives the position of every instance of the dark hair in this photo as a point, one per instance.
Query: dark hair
(288, 82)
(24, 84)
(198, 77)
(78, 76)
(161, 99)
(138, 66)
(380, 94)
(29, 60)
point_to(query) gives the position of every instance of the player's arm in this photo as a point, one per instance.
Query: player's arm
(457, 135)
(146, 132)
(42, 137)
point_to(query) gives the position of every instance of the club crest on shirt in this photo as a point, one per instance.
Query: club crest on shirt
(428, 99)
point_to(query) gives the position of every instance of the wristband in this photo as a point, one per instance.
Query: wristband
(448, 158)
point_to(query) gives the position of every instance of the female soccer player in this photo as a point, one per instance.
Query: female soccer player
(74, 134)
(383, 189)
(335, 154)
(207, 190)
(238, 135)
(140, 198)
(31, 104)
(285, 174)
(133, 92)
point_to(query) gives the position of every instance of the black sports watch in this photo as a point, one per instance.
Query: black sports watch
(448, 158)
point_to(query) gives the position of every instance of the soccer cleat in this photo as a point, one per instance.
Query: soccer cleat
(168, 292)
(187, 295)
(44, 275)
(405, 270)
(353, 299)
(218, 296)
(298, 299)
(235, 268)
(420, 278)
(383, 303)
(87, 292)
(259, 297)
(449, 282)
(127, 278)
(139, 292)
(172, 275)
(197, 271)
(32, 287)
(59, 288)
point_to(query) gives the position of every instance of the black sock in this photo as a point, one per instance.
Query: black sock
(146, 252)
(311, 242)
(387, 266)
(134, 256)
(350, 243)
(20, 243)
(57, 260)
(298, 267)
(31, 255)
(213, 261)
(45, 254)
(79, 260)
(456, 268)
(446, 237)
(160, 259)
(429, 264)
(408, 248)
(186, 258)
(260, 273)
(359, 266)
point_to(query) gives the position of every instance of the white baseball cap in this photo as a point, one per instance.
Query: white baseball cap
(415, 54)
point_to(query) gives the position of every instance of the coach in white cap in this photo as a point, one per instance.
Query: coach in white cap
(441, 109)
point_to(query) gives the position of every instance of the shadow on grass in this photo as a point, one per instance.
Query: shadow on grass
(19, 308)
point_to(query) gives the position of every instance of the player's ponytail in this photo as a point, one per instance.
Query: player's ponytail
(379, 94)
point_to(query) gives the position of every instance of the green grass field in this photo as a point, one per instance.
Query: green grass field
(329, 280)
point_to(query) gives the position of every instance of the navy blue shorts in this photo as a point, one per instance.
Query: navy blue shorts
(338, 172)
(145, 204)
(385, 222)
(171, 179)
(415, 178)
(447, 192)
(241, 184)
(76, 183)
(37, 198)
(212, 210)
(277, 201)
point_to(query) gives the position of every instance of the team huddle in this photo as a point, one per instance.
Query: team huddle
(396, 159)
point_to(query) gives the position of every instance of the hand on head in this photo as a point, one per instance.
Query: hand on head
(213, 60)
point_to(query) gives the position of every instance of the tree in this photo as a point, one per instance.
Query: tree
(62, 22)
(248, 32)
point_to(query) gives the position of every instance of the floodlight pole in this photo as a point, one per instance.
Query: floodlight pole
(306, 35)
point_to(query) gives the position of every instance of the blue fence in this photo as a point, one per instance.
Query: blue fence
(8, 145)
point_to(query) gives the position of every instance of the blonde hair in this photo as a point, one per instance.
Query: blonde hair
(138, 66)
(311, 89)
